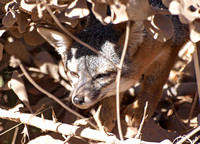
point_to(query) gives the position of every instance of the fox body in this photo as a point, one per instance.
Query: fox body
(93, 77)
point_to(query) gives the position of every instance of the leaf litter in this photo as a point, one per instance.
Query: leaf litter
(18, 23)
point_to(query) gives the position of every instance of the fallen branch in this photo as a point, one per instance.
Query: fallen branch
(49, 125)
(197, 129)
(66, 129)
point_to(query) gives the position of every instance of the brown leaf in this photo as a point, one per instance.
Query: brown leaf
(18, 49)
(4, 1)
(63, 19)
(33, 38)
(15, 32)
(166, 2)
(17, 85)
(188, 10)
(77, 9)
(46, 64)
(100, 12)
(9, 19)
(27, 7)
(22, 22)
(118, 12)
(195, 31)
(1, 51)
(138, 9)
(160, 27)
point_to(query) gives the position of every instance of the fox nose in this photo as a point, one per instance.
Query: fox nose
(78, 100)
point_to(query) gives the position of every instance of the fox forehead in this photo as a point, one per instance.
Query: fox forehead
(93, 63)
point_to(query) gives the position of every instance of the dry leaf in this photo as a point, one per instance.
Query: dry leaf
(4, 1)
(27, 7)
(9, 19)
(17, 85)
(1, 51)
(18, 49)
(33, 38)
(77, 9)
(63, 19)
(22, 22)
(100, 12)
(138, 10)
(118, 12)
(166, 2)
(160, 27)
(195, 31)
(188, 10)
(46, 64)
(15, 32)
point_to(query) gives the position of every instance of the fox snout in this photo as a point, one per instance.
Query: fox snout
(84, 96)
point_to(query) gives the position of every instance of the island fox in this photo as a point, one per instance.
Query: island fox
(93, 77)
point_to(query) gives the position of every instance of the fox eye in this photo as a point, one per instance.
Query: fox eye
(104, 75)
(74, 74)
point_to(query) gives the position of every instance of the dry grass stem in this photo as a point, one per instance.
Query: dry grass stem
(142, 122)
(118, 79)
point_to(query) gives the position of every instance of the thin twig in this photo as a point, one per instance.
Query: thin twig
(119, 71)
(74, 37)
(142, 122)
(15, 135)
(177, 116)
(192, 108)
(51, 96)
(197, 69)
(197, 129)
(97, 119)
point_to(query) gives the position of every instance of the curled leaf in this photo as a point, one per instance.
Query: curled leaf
(138, 9)
(166, 2)
(9, 19)
(45, 63)
(100, 12)
(160, 27)
(33, 38)
(188, 10)
(118, 12)
(17, 85)
(22, 22)
(195, 31)
(27, 7)
(18, 49)
(77, 9)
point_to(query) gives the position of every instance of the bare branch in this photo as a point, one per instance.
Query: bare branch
(119, 71)
(49, 125)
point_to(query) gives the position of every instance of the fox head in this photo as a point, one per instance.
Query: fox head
(92, 76)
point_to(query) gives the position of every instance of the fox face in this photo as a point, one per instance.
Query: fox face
(92, 77)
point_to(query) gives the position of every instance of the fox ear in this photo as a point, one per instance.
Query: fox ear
(58, 40)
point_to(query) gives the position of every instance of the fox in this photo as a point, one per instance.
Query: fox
(93, 77)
